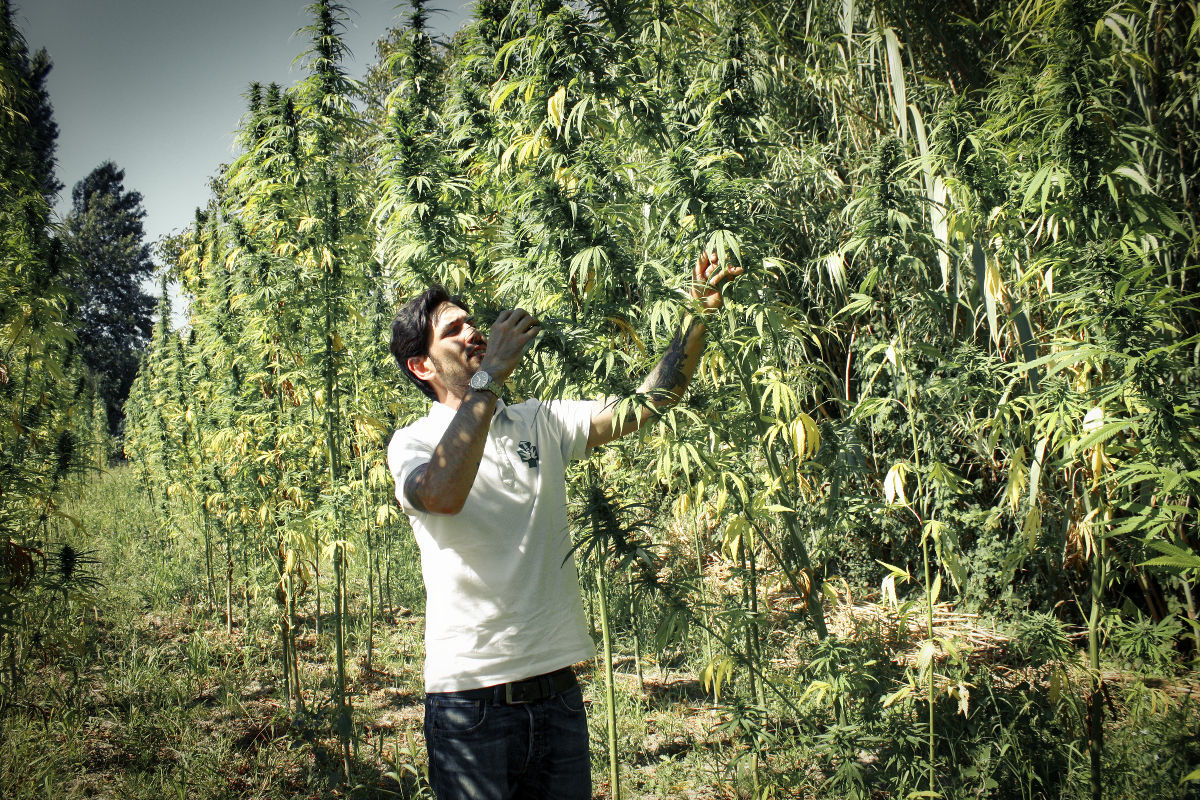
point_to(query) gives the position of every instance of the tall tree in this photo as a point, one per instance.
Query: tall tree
(114, 319)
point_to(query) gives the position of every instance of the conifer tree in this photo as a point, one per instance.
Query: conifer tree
(104, 233)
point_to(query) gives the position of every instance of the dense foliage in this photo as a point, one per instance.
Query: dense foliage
(960, 368)
(52, 423)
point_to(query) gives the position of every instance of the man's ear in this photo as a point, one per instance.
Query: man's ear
(421, 367)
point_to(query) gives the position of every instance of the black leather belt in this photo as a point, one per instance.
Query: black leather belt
(530, 690)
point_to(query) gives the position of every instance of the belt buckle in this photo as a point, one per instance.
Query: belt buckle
(508, 695)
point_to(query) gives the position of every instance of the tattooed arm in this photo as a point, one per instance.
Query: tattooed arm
(663, 387)
(669, 379)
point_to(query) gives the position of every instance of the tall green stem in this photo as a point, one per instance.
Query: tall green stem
(929, 694)
(637, 637)
(816, 614)
(343, 711)
(1096, 685)
(614, 773)
(332, 420)
(209, 579)
(228, 580)
(708, 639)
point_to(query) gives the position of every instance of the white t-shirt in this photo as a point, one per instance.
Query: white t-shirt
(502, 593)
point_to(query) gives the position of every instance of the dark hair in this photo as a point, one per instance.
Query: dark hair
(411, 330)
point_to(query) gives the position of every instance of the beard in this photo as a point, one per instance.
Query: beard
(455, 375)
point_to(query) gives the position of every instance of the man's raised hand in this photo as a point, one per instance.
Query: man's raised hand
(511, 333)
(707, 278)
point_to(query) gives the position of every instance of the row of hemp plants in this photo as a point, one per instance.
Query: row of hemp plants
(274, 449)
(53, 427)
(961, 362)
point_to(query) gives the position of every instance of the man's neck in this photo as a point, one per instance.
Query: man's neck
(453, 399)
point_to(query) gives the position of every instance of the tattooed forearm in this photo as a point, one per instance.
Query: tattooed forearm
(673, 372)
(663, 387)
(667, 374)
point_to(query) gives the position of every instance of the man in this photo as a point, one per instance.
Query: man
(483, 485)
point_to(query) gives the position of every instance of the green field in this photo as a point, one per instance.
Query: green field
(132, 687)
(925, 523)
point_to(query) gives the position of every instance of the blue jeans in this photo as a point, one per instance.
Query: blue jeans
(482, 750)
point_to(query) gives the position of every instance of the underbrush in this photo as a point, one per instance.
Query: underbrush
(133, 687)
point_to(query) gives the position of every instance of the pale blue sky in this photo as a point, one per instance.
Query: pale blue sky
(158, 86)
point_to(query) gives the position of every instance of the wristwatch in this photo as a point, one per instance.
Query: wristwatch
(482, 381)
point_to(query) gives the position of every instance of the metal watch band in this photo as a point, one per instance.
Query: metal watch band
(491, 385)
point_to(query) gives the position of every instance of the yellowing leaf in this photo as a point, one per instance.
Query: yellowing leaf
(888, 589)
(925, 655)
(737, 528)
(962, 692)
(1058, 682)
(1018, 473)
(933, 529)
(895, 67)
(816, 690)
(835, 265)
(1035, 469)
(806, 436)
(555, 106)
(799, 438)
(715, 673)
(623, 325)
(903, 693)
(993, 293)
(1032, 527)
(681, 505)
(893, 485)
(503, 94)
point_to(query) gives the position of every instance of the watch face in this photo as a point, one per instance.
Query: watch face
(480, 380)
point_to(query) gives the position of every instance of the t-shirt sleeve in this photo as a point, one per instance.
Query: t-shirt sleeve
(405, 453)
(573, 423)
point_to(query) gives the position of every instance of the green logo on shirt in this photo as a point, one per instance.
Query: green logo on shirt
(528, 453)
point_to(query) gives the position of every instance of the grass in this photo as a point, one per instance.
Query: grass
(134, 689)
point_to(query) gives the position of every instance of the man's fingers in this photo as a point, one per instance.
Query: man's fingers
(708, 276)
(515, 318)
(726, 274)
(525, 322)
(706, 265)
(709, 273)
(523, 336)
(518, 324)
